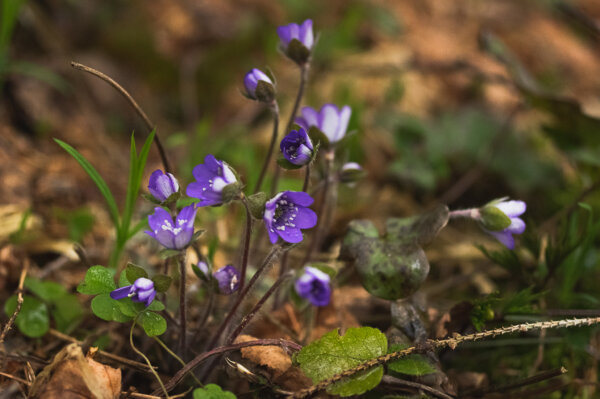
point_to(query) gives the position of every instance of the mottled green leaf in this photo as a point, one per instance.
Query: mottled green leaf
(108, 309)
(45, 290)
(411, 365)
(332, 354)
(98, 280)
(133, 272)
(67, 312)
(161, 282)
(33, 319)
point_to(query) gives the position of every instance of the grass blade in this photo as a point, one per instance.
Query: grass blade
(95, 176)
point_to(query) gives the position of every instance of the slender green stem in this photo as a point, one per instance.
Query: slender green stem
(321, 223)
(303, 79)
(136, 350)
(246, 250)
(275, 109)
(180, 360)
(182, 303)
(256, 308)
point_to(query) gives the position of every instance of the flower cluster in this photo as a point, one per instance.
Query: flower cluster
(212, 177)
(286, 214)
(142, 290)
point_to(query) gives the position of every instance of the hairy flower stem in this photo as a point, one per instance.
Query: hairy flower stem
(248, 318)
(472, 213)
(283, 266)
(275, 109)
(303, 79)
(306, 178)
(246, 250)
(269, 259)
(136, 350)
(182, 304)
(323, 205)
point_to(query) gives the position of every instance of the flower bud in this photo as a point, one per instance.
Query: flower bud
(142, 290)
(314, 285)
(162, 185)
(259, 86)
(500, 218)
(296, 41)
(228, 279)
(297, 147)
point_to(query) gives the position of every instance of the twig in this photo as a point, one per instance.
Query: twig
(546, 375)
(275, 109)
(436, 344)
(149, 125)
(19, 301)
(396, 382)
(144, 396)
(246, 249)
(248, 318)
(224, 349)
(12, 377)
(127, 362)
(182, 303)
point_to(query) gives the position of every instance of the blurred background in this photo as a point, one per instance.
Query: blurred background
(453, 102)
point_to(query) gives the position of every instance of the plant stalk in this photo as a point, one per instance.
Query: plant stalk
(246, 250)
(275, 109)
(182, 303)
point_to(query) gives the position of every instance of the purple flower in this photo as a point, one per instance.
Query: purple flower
(211, 178)
(259, 86)
(228, 279)
(286, 213)
(172, 235)
(162, 185)
(314, 285)
(512, 209)
(330, 120)
(297, 40)
(203, 267)
(297, 147)
(142, 290)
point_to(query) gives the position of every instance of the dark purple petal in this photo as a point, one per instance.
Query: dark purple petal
(306, 218)
(299, 198)
(284, 35)
(314, 285)
(273, 237)
(186, 217)
(143, 295)
(289, 234)
(505, 238)
(121, 293)
(310, 117)
(228, 279)
(166, 238)
(250, 83)
(150, 298)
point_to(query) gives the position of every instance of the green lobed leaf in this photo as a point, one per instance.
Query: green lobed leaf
(108, 309)
(411, 365)
(153, 323)
(332, 354)
(46, 290)
(95, 176)
(162, 282)
(212, 391)
(133, 272)
(98, 280)
(32, 320)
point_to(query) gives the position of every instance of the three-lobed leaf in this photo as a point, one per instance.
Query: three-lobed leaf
(332, 354)
(416, 364)
(212, 391)
(98, 280)
(153, 323)
(133, 272)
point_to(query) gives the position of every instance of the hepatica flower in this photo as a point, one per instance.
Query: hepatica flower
(330, 120)
(259, 86)
(286, 213)
(228, 279)
(142, 290)
(297, 40)
(172, 235)
(512, 210)
(162, 185)
(297, 147)
(211, 178)
(314, 285)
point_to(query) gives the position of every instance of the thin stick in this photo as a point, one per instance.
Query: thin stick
(275, 109)
(12, 377)
(144, 396)
(396, 382)
(543, 376)
(436, 344)
(248, 318)
(178, 377)
(149, 125)
(182, 304)
(19, 301)
(246, 250)
(170, 352)
(146, 359)
(306, 178)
